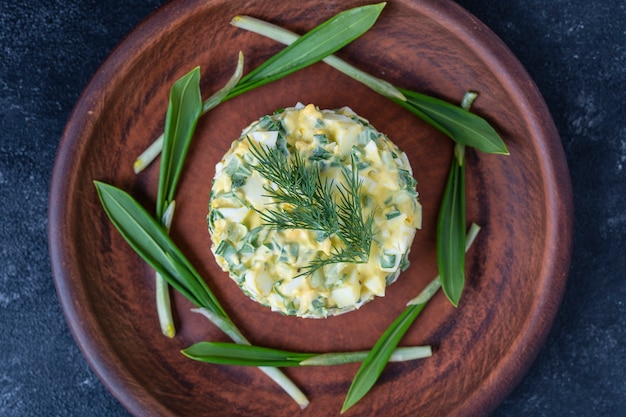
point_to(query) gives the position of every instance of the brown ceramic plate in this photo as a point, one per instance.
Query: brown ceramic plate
(516, 270)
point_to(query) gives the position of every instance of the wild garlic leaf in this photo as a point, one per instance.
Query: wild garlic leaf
(151, 242)
(379, 355)
(287, 37)
(184, 109)
(374, 363)
(225, 353)
(312, 47)
(315, 45)
(451, 234)
(243, 355)
(459, 124)
(148, 238)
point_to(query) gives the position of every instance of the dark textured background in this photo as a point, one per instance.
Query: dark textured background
(575, 50)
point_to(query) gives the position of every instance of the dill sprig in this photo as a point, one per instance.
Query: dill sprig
(303, 200)
(354, 232)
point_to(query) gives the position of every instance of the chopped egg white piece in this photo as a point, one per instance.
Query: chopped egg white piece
(268, 264)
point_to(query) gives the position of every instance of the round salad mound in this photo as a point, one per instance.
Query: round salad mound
(313, 212)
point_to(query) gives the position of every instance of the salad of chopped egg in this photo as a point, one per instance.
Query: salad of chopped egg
(270, 264)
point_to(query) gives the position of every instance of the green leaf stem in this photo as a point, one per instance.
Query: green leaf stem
(148, 155)
(183, 111)
(451, 234)
(451, 222)
(287, 37)
(374, 363)
(246, 355)
(162, 293)
(457, 123)
(315, 45)
(460, 125)
(149, 239)
(321, 41)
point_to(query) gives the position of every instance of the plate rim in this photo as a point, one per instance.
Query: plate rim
(487, 45)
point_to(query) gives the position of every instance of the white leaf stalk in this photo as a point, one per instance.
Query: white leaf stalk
(401, 354)
(466, 103)
(148, 155)
(155, 148)
(274, 374)
(468, 99)
(163, 303)
(287, 37)
(427, 293)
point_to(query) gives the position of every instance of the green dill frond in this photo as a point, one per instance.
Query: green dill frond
(302, 200)
(356, 232)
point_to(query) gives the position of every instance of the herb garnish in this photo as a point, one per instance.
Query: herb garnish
(451, 222)
(315, 45)
(245, 355)
(465, 129)
(150, 239)
(452, 243)
(456, 122)
(183, 111)
(304, 201)
(381, 352)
